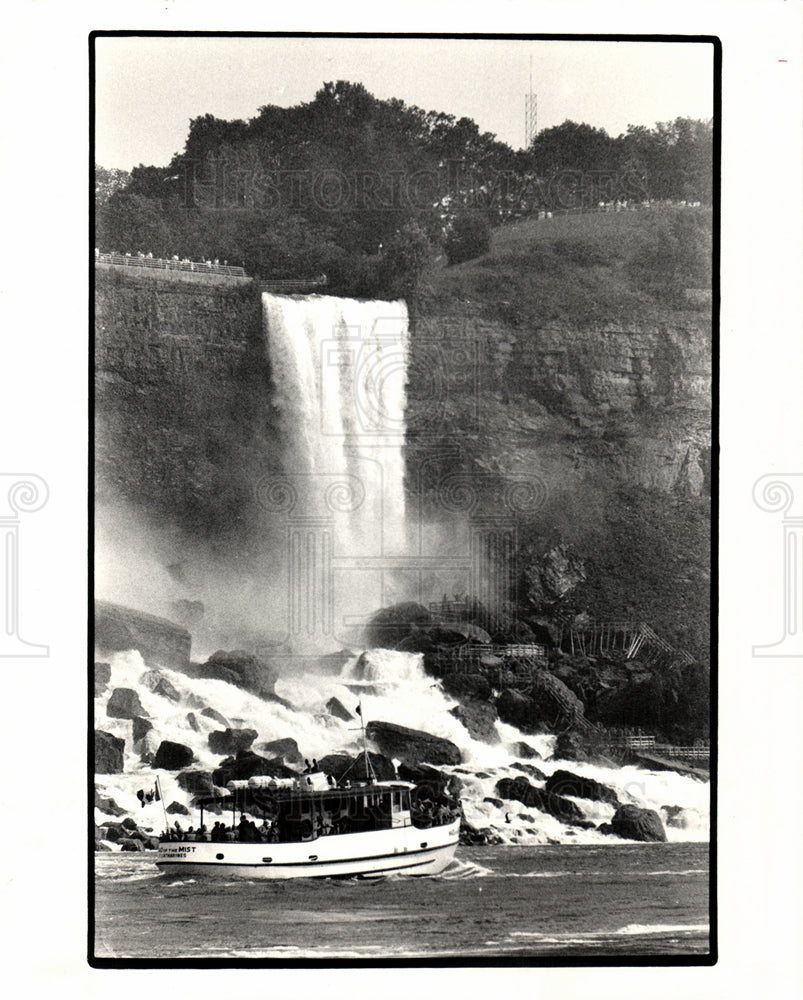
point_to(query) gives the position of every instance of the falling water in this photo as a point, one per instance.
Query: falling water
(339, 369)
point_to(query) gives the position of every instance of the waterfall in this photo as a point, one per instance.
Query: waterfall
(339, 369)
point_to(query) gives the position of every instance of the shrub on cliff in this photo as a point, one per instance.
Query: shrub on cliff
(469, 236)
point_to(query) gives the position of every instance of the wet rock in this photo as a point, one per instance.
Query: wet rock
(159, 641)
(569, 746)
(100, 846)
(103, 674)
(474, 836)
(494, 802)
(211, 713)
(479, 718)
(128, 823)
(124, 704)
(148, 746)
(172, 756)
(520, 790)
(341, 765)
(112, 832)
(467, 686)
(524, 750)
(155, 681)
(130, 844)
(230, 741)
(675, 816)
(606, 828)
(514, 708)
(634, 823)
(140, 727)
(192, 722)
(431, 782)
(242, 669)
(411, 745)
(531, 769)
(336, 708)
(286, 748)
(108, 753)
(246, 764)
(390, 625)
(107, 805)
(565, 783)
(196, 782)
(177, 809)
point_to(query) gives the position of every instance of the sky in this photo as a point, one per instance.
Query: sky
(149, 88)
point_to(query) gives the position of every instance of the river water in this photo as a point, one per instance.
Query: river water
(529, 902)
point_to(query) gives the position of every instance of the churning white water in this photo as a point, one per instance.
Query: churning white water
(392, 687)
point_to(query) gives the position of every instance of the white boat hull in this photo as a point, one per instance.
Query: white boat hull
(403, 850)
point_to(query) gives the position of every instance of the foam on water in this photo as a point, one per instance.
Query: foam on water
(393, 687)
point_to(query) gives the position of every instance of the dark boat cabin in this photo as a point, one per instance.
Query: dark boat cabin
(308, 815)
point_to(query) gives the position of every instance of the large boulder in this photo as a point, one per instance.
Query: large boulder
(140, 727)
(131, 844)
(215, 716)
(107, 805)
(554, 704)
(196, 782)
(229, 741)
(336, 708)
(286, 748)
(531, 769)
(524, 750)
(634, 823)
(520, 790)
(108, 753)
(342, 765)
(463, 686)
(172, 756)
(155, 681)
(516, 709)
(103, 674)
(124, 703)
(242, 669)
(390, 625)
(177, 809)
(247, 764)
(565, 783)
(160, 642)
(479, 718)
(411, 745)
(430, 782)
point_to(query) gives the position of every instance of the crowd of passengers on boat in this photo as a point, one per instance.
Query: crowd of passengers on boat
(322, 822)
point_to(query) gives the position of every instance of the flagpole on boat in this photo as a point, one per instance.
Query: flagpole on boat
(162, 800)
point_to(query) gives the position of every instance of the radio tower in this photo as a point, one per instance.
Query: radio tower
(530, 112)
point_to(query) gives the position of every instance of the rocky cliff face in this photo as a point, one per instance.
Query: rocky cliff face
(620, 403)
(185, 424)
(184, 421)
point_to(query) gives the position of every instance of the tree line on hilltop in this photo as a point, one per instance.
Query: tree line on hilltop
(368, 191)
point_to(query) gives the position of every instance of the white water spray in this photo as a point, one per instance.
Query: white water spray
(339, 369)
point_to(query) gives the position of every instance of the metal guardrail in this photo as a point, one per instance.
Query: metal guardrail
(165, 264)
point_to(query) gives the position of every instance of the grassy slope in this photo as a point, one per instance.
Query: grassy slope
(585, 268)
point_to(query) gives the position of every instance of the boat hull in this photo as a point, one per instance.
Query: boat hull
(404, 851)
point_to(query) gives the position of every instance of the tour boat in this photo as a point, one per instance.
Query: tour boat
(315, 827)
